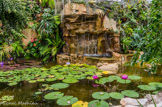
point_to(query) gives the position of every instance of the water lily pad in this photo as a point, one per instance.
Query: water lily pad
(113, 78)
(67, 100)
(50, 79)
(100, 95)
(147, 87)
(59, 85)
(124, 81)
(130, 93)
(97, 103)
(32, 81)
(70, 80)
(155, 84)
(40, 80)
(116, 95)
(37, 93)
(53, 95)
(12, 83)
(134, 77)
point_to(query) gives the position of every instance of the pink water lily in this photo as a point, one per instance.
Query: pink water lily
(95, 77)
(125, 77)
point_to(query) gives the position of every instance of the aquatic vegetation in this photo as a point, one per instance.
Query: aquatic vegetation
(53, 95)
(98, 103)
(147, 87)
(6, 98)
(100, 95)
(59, 86)
(116, 95)
(130, 93)
(134, 77)
(67, 100)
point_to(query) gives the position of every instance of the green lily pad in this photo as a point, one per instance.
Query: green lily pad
(113, 78)
(40, 80)
(67, 100)
(53, 95)
(70, 80)
(116, 95)
(97, 103)
(37, 93)
(124, 81)
(59, 85)
(50, 79)
(147, 87)
(12, 83)
(100, 95)
(130, 93)
(32, 81)
(155, 84)
(134, 77)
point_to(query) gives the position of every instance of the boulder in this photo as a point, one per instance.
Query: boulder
(108, 67)
(130, 102)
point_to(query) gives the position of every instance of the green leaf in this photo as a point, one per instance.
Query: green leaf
(59, 85)
(97, 103)
(155, 84)
(37, 93)
(67, 100)
(53, 95)
(122, 81)
(116, 95)
(70, 80)
(147, 87)
(100, 95)
(130, 93)
(113, 78)
(133, 77)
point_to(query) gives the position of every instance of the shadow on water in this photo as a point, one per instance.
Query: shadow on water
(24, 91)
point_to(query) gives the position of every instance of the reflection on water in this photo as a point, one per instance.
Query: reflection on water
(24, 91)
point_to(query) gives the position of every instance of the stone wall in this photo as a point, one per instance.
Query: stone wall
(88, 33)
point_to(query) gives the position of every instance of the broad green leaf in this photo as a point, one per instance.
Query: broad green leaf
(67, 100)
(100, 95)
(116, 95)
(130, 93)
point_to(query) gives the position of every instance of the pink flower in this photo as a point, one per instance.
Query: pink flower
(124, 77)
(32, 40)
(34, 44)
(95, 77)
(35, 39)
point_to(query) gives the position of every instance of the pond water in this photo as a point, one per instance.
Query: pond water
(24, 91)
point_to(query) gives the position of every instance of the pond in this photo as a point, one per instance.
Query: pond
(23, 84)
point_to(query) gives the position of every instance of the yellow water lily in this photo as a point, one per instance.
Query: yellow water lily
(80, 104)
(106, 72)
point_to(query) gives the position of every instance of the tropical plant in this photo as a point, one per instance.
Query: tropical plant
(13, 18)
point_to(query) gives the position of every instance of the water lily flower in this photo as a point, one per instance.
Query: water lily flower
(68, 63)
(95, 77)
(1, 63)
(125, 77)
